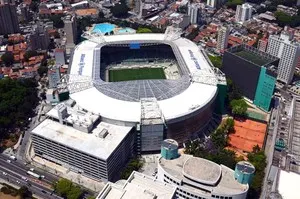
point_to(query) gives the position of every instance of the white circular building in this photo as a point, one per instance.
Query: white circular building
(178, 105)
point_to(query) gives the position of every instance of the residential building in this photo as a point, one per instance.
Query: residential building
(39, 37)
(138, 185)
(254, 72)
(74, 138)
(70, 29)
(262, 44)
(60, 56)
(243, 13)
(222, 41)
(298, 2)
(193, 12)
(288, 51)
(8, 17)
(53, 76)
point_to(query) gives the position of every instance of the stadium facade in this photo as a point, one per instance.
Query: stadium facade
(253, 71)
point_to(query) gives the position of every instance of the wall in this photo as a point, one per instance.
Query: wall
(265, 89)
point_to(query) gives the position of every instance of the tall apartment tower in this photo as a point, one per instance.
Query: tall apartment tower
(193, 11)
(288, 52)
(39, 37)
(222, 42)
(8, 17)
(70, 29)
(243, 12)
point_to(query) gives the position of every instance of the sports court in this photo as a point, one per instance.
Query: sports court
(248, 133)
(136, 74)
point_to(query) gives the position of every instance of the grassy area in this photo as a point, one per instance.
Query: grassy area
(252, 57)
(136, 74)
(216, 60)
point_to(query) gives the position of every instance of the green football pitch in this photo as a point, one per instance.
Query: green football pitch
(136, 74)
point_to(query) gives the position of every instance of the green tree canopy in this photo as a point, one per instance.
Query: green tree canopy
(143, 30)
(57, 20)
(67, 189)
(7, 58)
(238, 107)
(30, 53)
(233, 3)
(120, 9)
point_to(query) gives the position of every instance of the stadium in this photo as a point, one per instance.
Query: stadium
(161, 84)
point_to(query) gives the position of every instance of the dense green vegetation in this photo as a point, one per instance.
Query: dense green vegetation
(287, 20)
(233, 3)
(7, 58)
(214, 149)
(133, 165)
(216, 61)
(67, 189)
(18, 98)
(136, 74)
(258, 159)
(57, 20)
(120, 9)
(22, 192)
(30, 53)
(238, 107)
(143, 30)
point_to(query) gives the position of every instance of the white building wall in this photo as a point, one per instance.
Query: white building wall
(243, 13)
(193, 13)
(288, 53)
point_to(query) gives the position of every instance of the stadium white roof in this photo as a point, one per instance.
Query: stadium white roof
(187, 96)
(288, 185)
(89, 143)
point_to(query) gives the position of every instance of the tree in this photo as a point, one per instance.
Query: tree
(133, 165)
(7, 58)
(120, 10)
(238, 107)
(63, 186)
(24, 192)
(57, 20)
(67, 189)
(30, 53)
(233, 3)
(216, 61)
(143, 30)
(229, 125)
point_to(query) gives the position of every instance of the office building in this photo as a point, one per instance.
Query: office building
(70, 29)
(53, 76)
(140, 186)
(76, 140)
(200, 178)
(254, 72)
(288, 51)
(243, 13)
(222, 41)
(8, 17)
(39, 37)
(193, 12)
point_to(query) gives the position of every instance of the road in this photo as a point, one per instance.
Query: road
(15, 173)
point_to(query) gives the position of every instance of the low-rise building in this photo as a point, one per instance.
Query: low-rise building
(75, 140)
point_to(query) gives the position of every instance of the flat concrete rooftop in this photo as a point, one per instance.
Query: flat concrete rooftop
(138, 186)
(89, 143)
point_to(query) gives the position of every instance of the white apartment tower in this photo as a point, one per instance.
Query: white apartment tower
(243, 12)
(288, 52)
(222, 42)
(193, 11)
(70, 29)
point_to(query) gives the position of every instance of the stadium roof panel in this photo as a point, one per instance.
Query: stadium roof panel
(115, 100)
